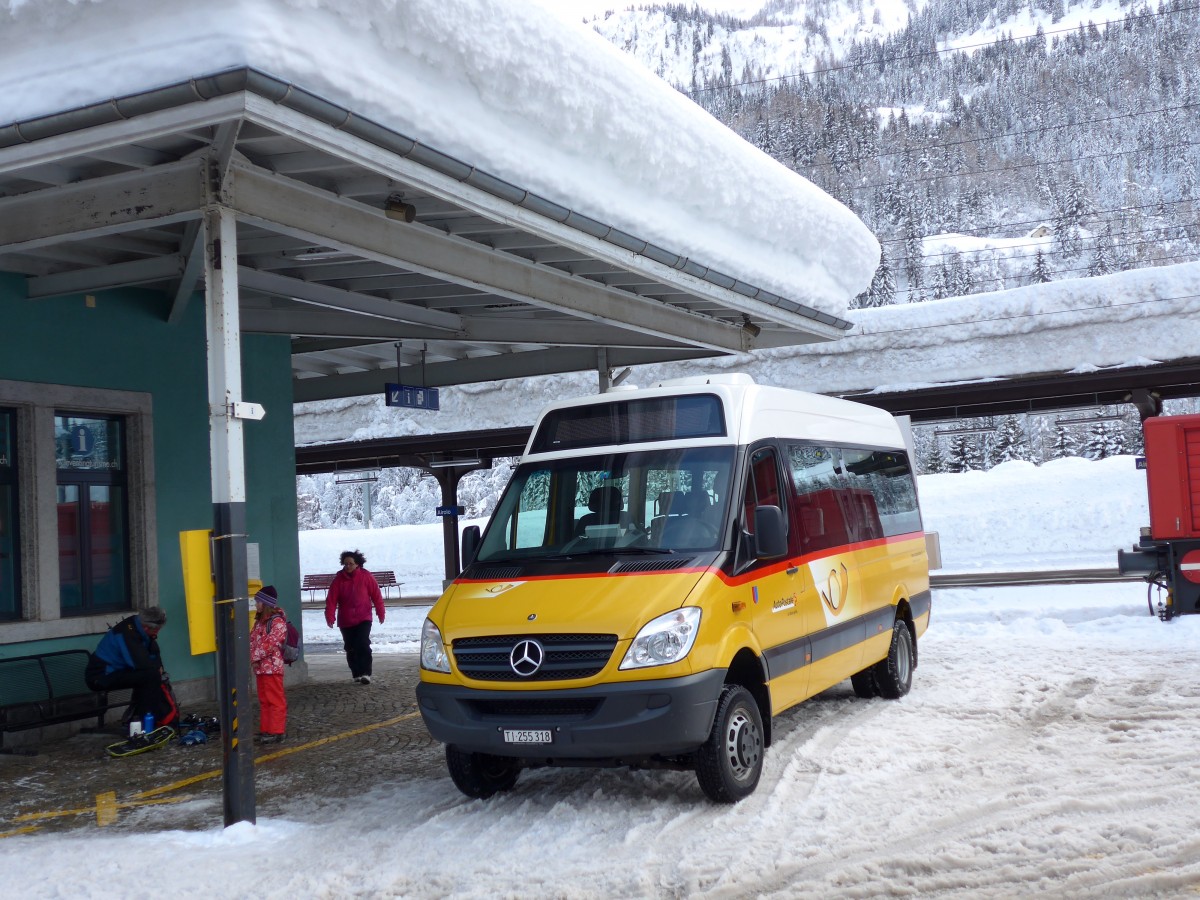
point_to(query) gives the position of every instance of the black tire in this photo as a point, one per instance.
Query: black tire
(893, 675)
(729, 763)
(864, 683)
(480, 775)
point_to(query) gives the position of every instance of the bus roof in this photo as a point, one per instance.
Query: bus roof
(752, 412)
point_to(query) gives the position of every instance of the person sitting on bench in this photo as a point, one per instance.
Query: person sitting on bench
(128, 657)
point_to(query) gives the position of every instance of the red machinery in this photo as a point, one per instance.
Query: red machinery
(1168, 552)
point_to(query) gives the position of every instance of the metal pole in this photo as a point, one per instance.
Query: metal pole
(603, 372)
(448, 478)
(232, 608)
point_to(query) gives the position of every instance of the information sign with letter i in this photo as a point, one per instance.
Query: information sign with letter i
(410, 396)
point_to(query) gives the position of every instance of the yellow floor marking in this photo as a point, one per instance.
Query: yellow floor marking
(106, 808)
(89, 810)
(145, 798)
(267, 757)
(335, 737)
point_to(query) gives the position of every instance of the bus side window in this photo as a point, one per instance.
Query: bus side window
(886, 494)
(762, 487)
(820, 508)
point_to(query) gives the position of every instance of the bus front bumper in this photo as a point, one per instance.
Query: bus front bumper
(620, 723)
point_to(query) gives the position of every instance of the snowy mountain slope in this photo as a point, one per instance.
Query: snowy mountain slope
(945, 123)
(690, 45)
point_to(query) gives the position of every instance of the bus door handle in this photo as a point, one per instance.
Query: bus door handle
(792, 570)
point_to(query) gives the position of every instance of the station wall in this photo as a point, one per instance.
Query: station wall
(114, 356)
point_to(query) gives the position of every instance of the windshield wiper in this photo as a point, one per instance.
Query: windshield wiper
(624, 551)
(517, 560)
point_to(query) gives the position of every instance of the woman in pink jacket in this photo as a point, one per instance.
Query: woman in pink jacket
(352, 596)
(267, 638)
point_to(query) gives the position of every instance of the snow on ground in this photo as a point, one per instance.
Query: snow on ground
(1047, 747)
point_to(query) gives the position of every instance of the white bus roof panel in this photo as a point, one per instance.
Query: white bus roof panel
(755, 412)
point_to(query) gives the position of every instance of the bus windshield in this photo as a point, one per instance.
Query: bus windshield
(651, 501)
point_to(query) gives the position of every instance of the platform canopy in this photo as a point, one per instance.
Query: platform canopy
(433, 193)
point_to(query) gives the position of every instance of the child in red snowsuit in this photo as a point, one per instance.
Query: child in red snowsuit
(267, 638)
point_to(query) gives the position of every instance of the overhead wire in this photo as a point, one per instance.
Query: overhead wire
(988, 228)
(922, 54)
(949, 146)
(926, 148)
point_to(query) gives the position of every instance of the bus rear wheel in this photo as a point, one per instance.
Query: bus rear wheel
(480, 775)
(729, 763)
(864, 683)
(893, 675)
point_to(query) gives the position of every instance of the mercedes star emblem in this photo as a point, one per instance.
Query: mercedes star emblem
(526, 658)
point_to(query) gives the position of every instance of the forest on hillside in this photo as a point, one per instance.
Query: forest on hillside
(1071, 153)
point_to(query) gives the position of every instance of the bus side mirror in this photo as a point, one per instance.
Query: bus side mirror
(470, 544)
(770, 534)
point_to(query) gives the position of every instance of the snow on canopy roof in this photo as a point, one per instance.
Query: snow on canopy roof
(503, 85)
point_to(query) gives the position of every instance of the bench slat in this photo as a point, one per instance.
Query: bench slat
(22, 680)
(386, 579)
(49, 688)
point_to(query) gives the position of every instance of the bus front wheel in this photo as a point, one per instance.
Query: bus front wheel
(480, 775)
(729, 763)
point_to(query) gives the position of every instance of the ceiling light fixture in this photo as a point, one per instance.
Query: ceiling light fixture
(356, 477)
(452, 463)
(396, 208)
(1088, 420)
(982, 429)
(319, 254)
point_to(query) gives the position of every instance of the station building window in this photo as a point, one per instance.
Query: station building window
(77, 509)
(93, 532)
(10, 564)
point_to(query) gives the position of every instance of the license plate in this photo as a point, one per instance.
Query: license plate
(539, 736)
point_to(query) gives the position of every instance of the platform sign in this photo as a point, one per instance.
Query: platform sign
(450, 510)
(410, 396)
(1139, 463)
(199, 589)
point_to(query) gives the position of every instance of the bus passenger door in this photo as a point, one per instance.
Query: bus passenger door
(778, 589)
(825, 527)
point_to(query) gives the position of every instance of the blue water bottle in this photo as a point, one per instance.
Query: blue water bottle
(148, 722)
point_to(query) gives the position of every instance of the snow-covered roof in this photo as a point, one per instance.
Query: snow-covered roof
(1126, 320)
(503, 86)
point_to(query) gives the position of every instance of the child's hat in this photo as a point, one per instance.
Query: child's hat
(267, 596)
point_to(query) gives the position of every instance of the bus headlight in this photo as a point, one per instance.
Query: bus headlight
(433, 651)
(664, 640)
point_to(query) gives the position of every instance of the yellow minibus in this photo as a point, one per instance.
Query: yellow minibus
(668, 569)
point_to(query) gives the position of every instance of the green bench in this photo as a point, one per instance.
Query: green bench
(48, 689)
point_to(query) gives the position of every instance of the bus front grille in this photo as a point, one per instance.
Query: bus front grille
(563, 657)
